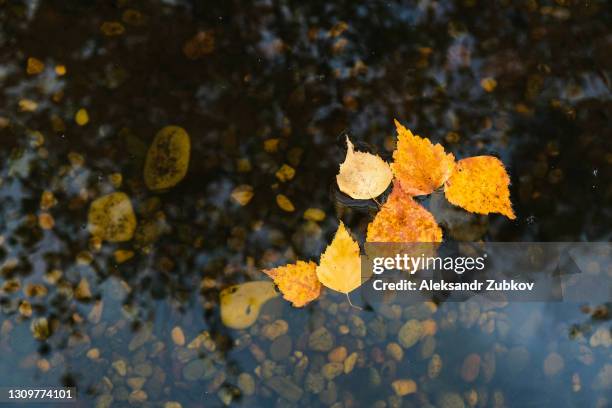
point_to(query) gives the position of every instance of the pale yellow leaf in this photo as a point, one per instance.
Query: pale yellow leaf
(363, 175)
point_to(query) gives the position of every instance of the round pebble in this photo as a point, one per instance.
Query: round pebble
(410, 333)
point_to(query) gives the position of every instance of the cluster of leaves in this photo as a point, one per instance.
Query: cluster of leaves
(478, 184)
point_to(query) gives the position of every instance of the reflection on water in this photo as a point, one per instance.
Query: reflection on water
(85, 88)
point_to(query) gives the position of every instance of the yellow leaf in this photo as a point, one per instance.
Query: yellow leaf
(167, 159)
(420, 166)
(297, 282)
(242, 194)
(480, 185)
(363, 175)
(340, 265)
(285, 173)
(240, 304)
(401, 219)
(111, 218)
(285, 203)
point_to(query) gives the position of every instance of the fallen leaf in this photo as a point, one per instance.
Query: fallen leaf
(480, 185)
(240, 304)
(418, 165)
(340, 265)
(297, 282)
(285, 203)
(111, 218)
(401, 219)
(363, 175)
(167, 159)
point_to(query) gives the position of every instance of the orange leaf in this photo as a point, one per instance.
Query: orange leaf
(401, 219)
(420, 166)
(480, 185)
(298, 282)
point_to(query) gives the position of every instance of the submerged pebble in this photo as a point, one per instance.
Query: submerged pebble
(321, 340)
(404, 387)
(410, 333)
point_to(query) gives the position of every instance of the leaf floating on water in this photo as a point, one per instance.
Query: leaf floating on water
(401, 219)
(111, 218)
(480, 185)
(418, 165)
(242, 194)
(285, 203)
(363, 175)
(240, 304)
(167, 159)
(340, 265)
(297, 282)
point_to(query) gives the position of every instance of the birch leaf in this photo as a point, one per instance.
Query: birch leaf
(297, 282)
(419, 165)
(401, 219)
(480, 185)
(340, 265)
(363, 175)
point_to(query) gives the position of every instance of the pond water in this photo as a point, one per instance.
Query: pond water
(85, 87)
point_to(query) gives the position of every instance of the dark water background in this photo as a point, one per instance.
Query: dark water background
(292, 71)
